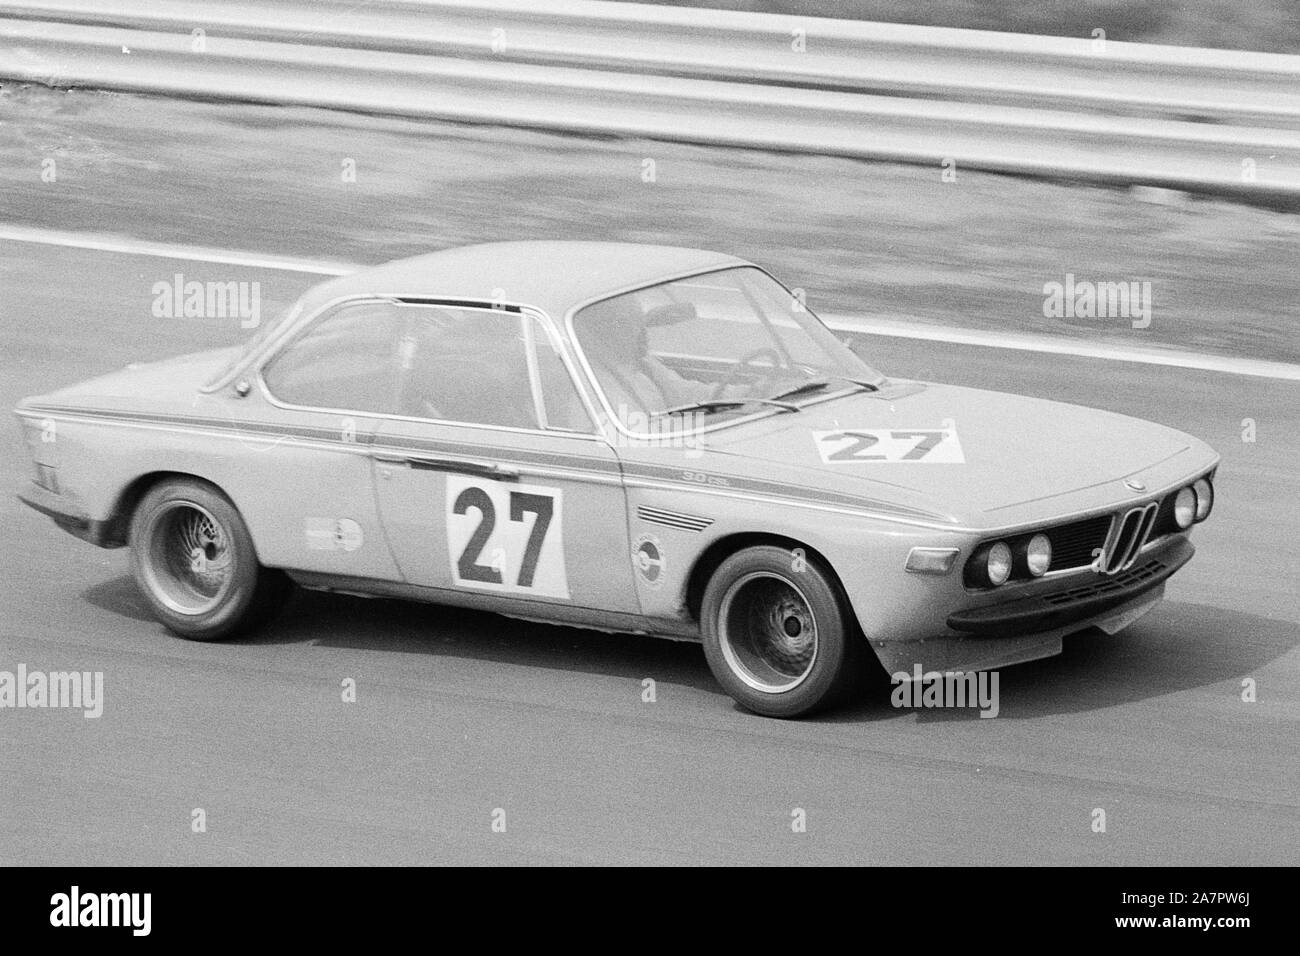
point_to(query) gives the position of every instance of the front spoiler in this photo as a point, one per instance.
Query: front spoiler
(968, 652)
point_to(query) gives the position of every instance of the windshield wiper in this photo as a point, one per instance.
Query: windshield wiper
(815, 385)
(717, 404)
(860, 382)
(818, 384)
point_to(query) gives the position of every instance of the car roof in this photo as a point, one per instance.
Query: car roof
(552, 276)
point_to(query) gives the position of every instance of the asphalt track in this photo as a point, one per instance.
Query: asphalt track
(461, 713)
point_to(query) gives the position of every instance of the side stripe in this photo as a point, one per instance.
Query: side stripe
(580, 466)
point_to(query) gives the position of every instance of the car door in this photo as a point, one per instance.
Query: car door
(318, 401)
(491, 480)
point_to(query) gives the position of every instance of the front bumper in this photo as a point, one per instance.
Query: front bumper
(1097, 595)
(1024, 628)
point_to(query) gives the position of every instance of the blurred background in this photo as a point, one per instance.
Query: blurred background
(1268, 25)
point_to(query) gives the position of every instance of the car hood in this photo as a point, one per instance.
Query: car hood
(1017, 452)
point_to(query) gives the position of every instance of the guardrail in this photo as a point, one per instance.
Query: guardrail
(1086, 108)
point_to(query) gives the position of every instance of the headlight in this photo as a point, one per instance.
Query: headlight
(998, 565)
(1185, 507)
(1204, 492)
(1038, 555)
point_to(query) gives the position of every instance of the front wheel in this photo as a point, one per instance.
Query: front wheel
(193, 559)
(777, 632)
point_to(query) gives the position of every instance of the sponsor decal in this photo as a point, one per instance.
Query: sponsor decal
(333, 534)
(648, 557)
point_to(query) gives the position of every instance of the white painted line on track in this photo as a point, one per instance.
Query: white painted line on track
(100, 242)
(898, 328)
(893, 328)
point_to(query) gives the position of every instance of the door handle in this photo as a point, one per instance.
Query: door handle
(427, 463)
(482, 468)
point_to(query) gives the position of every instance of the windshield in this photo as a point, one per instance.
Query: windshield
(722, 344)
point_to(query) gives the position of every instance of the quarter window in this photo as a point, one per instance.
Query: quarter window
(345, 360)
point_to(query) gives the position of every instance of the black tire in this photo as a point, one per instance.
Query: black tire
(194, 562)
(756, 617)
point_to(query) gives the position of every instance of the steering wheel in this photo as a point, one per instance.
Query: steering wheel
(745, 365)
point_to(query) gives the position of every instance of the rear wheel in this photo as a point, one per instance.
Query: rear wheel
(193, 559)
(778, 640)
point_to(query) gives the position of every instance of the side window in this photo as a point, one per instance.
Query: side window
(345, 360)
(466, 365)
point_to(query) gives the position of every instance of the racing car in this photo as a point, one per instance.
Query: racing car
(632, 438)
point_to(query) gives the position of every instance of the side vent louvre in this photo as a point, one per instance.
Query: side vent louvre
(673, 519)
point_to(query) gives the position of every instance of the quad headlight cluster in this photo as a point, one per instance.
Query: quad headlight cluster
(1193, 503)
(997, 562)
(1027, 556)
